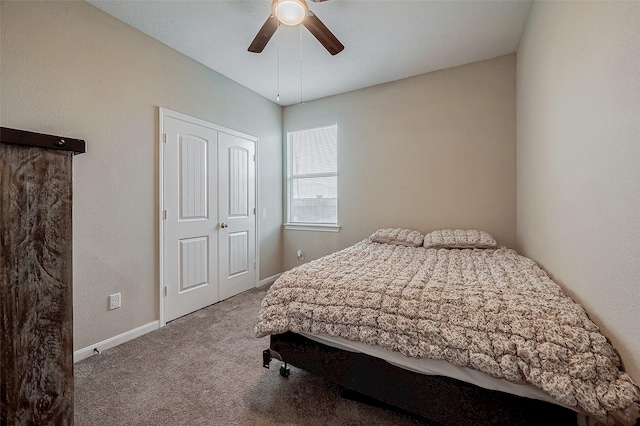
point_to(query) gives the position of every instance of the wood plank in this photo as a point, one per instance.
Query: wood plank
(36, 351)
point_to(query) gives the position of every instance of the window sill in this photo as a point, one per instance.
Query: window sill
(311, 227)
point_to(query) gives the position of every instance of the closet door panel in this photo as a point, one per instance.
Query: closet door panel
(36, 351)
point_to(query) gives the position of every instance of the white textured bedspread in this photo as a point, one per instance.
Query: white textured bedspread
(491, 310)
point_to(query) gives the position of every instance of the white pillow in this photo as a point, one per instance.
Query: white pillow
(459, 238)
(398, 236)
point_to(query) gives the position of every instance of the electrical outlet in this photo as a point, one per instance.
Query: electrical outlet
(114, 301)
(300, 255)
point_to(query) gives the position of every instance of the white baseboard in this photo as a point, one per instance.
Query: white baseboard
(84, 353)
(269, 280)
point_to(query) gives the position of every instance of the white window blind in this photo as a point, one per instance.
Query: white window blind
(313, 176)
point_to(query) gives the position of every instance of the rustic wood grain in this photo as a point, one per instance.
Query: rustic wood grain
(36, 332)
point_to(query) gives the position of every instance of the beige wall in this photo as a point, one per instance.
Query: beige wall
(578, 160)
(70, 69)
(428, 152)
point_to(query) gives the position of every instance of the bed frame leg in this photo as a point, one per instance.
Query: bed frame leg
(268, 355)
(285, 370)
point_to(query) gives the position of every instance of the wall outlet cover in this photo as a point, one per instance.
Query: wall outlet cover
(115, 301)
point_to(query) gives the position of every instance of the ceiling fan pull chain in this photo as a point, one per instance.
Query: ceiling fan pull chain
(278, 68)
(301, 64)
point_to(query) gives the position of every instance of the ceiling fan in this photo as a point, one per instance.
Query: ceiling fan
(294, 12)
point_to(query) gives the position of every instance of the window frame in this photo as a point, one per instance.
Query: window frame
(307, 226)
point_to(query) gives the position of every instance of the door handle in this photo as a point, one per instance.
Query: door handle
(223, 225)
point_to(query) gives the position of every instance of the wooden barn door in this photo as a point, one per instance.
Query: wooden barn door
(36, 318)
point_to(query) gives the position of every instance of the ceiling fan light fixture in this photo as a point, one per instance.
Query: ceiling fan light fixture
(290, 12)
(294, 12)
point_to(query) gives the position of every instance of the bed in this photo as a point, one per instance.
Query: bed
(449, 326)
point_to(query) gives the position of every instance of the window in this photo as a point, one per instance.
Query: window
(312, 192)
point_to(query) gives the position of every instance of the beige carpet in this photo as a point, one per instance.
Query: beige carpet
(206, 369)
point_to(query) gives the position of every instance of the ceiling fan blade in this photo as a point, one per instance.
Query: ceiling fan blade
(264, 35)
(322, 33)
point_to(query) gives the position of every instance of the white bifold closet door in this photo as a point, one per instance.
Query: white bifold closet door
(209, 221)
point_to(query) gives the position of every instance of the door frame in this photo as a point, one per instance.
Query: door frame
(165, 113)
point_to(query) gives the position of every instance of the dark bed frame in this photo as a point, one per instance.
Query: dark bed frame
(434, 398)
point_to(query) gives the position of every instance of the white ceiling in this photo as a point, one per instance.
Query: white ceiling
(384, 40)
